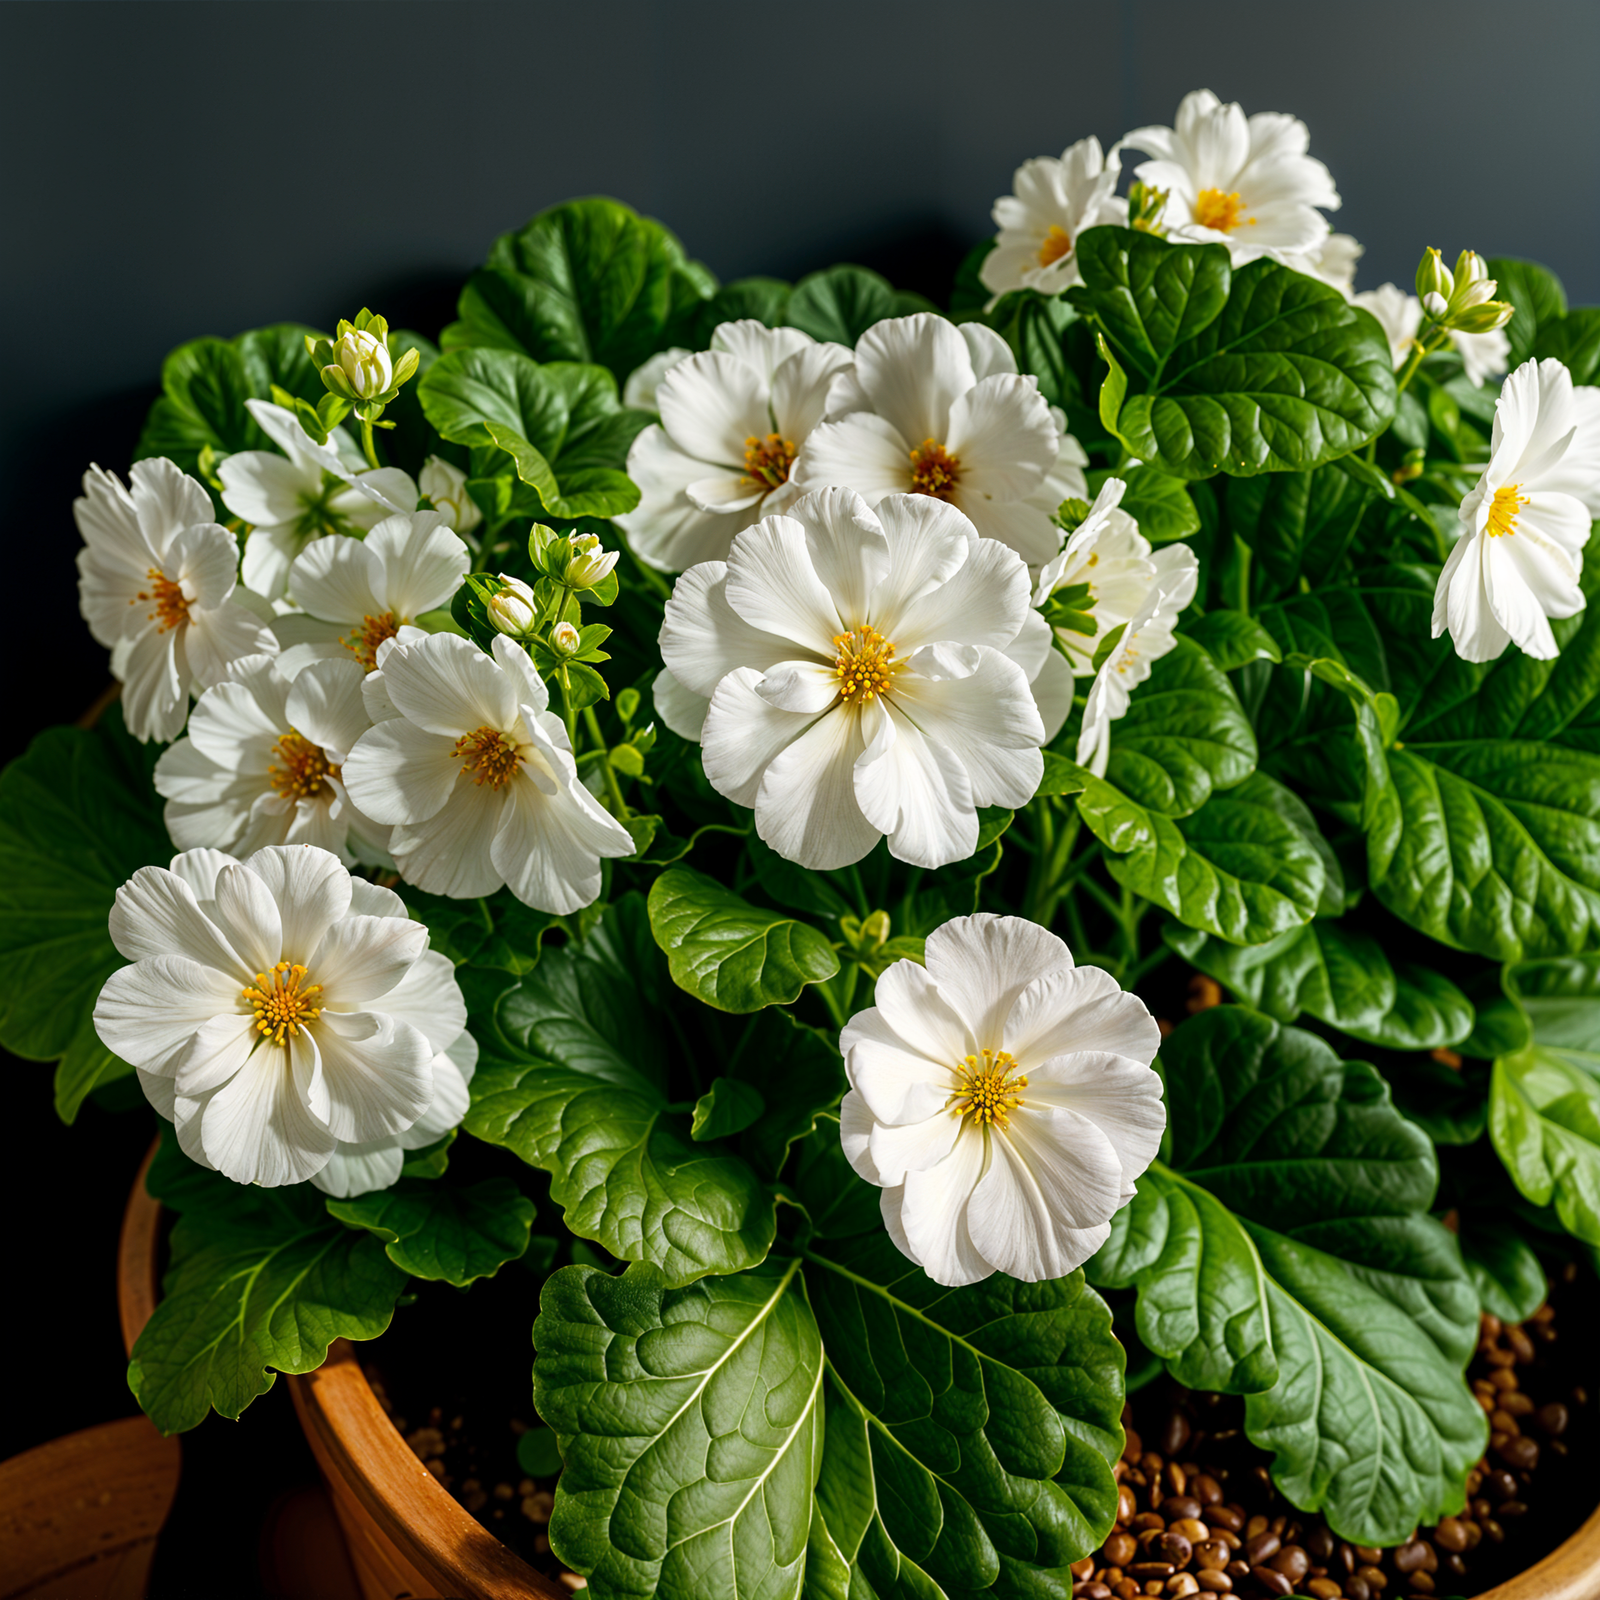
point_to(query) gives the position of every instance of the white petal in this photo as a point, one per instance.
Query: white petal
(399, 773)
(312, 891)
(548, 847)
(334, 580)
(917, 792)
(773, 585)
(448, 686)
(895, 1080)
(711, 404)
(1083, 1008)
(989, 352)
(856, 1123)
(355, 1169)
(156, 914)
(325, 704)
(929, 542)
(667, 530)
(914, 368)
(917, 1010)
(215, 1053)
(743, 734)
(934, 1212)
(166, 501)
(725, 493)
(148, 1013)
(421, 563)
(1120, 1096)
(806, 807)
(448, 853)
(808, 687)
(258, 1127)
(361, 958)
(859, 451)
(800, 387)
(898, 1148)
(982, 963)
(680, 708)
(199, 869)
(247, 912)
(984, 601)
(703, 638)
(846, 546)
(759, 347)
(378, 1073)
(265, 489)
(429, 998)
(1005, 439)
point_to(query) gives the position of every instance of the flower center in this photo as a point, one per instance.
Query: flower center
(1224, 212)
(934, 472)
(988, 1092)
(865, 665)
(172, 610)
(1057, 243)
(1503, 510)
(768, 460)
(300, 769)
(363, 642)
(280, 1003)
(488, 753)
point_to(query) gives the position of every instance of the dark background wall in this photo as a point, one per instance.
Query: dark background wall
(176, 169)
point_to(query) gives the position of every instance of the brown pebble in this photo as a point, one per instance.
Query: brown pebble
(1144, 1571)
(1150, 1521)
(503, 1491)
(1172, 1547)
(1320, 1544)
(1420, 1583)
(1323, 1588)
(1214, 1579)
(1503, 1423)
(1499, 1485)
(1126, 1589)
(1212, 1553)
(1450, 1534)
(1272, 1581)
(1154, 1586)
(1132, 1448)
(1175, 1434)
(1417, 1556)
(1194, 1531)
(1091, 1591)
(1257, 1524)
(1474, 1535)
(1083, 1570)
(538, 1506)
(1559, 1448)
(1516, 1402)
(1374, 1577)
(1292, 1562)
(1492, 1531)
(1344, 1557)
(1180, 1585)
(1223, 1516)
(1455, 1564)
(1206, 1490)
(1520, 1453)
(1118, 1550)
(1366, 1556)
(1552, 1419)
(1111, 1575)
(1521, 1344)
(436, 1467)
(1503, 1377)
(1356, 1588)
(1502, 1360)
(1152, 1464)
(1179, 1506)
(1177, 1479)
(1238, 1570)
(1127, 1506)
(427, 1442)
(1513, 1508)
(1262, 1547)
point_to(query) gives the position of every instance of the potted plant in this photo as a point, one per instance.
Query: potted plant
(997, 906)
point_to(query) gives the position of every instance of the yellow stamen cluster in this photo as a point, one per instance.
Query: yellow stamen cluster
(933, 471)
(768, 460)
(489, 754)
(1057, 243)
(280, 1003)
(171, 609)
(1504, 510)
(301, 770)
(988, 1092)
(1224, 212)
(865, 665)
(364, 641)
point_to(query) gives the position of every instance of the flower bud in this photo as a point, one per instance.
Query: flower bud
(446, 486)
(587, 563)
(1146, 207)
(565, 640)
(364, 360)
(513, 610)
(1470, 268)
(1433, 277)
(1484, 318)
(1435, 305)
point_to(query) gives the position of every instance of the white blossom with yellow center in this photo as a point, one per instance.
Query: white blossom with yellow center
(1003, 1100)
(860, 679)
(1243, 182)
(1519, 558)
(288, 1019)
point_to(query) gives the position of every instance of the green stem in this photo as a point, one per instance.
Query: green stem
(1244, 574)
(369, 444)
(568, 715)
(613, 788)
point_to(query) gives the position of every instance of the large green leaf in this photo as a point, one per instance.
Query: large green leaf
(729, 953)
(1184, 735)
(562, 425)
(1342, 977)
(1284, 1250)
(444, 1231)
(839, 304)
(570, 1076)
(1538, 296)
(1296, 522)
(78, 817)
(587, 281)
(691, 1428)
(1560, 1002)
(1505, 1271)
(970, 1432)
(262, 1281)
(1247, 866)
(1256, 370)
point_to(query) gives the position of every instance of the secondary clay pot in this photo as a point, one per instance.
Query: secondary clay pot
(409, 1538)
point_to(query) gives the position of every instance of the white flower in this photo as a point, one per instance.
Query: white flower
(260, 764)
(276, 1008)
(857, 677)
(1245, 183)
(515, 608)
(156, 578)
(358, 592)
(732, 420)
(1051, 204)
(477, 778)
(1003, 1101)
(1519, 557)
(446, 486)
(935, 409)
(1147, 637)
(1107, 553)
(639, 391)
(1333, 261)
(310, 490)
(364, 359)
(1483, 355)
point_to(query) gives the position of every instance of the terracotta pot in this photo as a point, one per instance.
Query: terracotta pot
(406, 1535)
(409, 1538)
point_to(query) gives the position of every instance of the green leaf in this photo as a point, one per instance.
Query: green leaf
(587, 281)
(1246, 866)
(727, 1107)
(970, 1432)
(1560, 1002)
(499, 932)
(1286, 1251)
(839, 304)
(1231, 638)
(1258, 370)
(729, 953)
(1504, 1270)
(78, 817)
(691, 1428)
(1184, 735)
(442, 1232)
(764, 300)
(1296, 523)
(203, 394)
(1538, 296)
(1158, 502)
(1574, 340)
(561, 424)
(539, 1452)
(260, 1279)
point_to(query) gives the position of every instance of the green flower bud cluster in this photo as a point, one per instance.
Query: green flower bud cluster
(1462, 301)
(575, 561)
(1146, 206)
(357, 370)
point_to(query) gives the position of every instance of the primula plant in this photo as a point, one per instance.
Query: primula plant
(774, 759)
